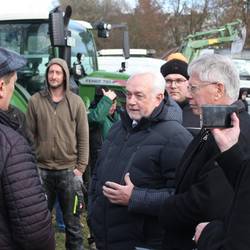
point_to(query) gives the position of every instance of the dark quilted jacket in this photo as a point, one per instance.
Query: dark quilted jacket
(25, 221)
(150, 153)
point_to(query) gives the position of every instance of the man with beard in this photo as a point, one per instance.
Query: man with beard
(58, 123)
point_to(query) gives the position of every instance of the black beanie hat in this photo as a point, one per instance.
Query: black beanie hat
(175, 66)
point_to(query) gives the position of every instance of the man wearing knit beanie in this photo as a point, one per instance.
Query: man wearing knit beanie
(176, 76)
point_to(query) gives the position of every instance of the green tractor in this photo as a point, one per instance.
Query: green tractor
(228, 39)
(42, 35)
(231, 33)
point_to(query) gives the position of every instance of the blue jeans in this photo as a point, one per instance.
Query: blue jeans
(59, 216)
(63, 184)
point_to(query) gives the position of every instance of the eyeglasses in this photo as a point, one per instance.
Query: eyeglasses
(178, 81)
(194, 88)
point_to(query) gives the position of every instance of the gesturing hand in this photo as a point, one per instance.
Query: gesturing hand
(110, 94)
(118, 194)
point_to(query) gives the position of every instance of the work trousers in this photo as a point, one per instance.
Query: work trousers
(62, 184)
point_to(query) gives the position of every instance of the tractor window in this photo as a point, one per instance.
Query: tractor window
(9, 38)
(31, 41)
(84, 44)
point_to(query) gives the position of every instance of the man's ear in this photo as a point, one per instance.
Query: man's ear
(1, 88)
(220, 91)
(160, 97)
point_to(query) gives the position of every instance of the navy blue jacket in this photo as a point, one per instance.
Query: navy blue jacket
(150, 152)
(25, 222)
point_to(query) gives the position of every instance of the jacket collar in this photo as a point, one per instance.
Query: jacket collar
(158, 114)
(6, 119)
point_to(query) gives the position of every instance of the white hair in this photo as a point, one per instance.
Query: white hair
(217, 68)
(158, 81)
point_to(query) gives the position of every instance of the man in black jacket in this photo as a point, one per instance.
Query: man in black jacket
(147, 143)
(9, 114)
(203, 193)
(25, 221)
(175, 73)
(233, 232)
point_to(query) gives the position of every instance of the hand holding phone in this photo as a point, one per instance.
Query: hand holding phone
(227, 137)
(217, 116)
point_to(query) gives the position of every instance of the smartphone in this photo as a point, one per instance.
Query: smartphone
(217, 116)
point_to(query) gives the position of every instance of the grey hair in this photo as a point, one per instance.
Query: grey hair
(158, 84)
(217, 68)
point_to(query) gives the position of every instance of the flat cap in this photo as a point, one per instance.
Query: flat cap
(10, 61)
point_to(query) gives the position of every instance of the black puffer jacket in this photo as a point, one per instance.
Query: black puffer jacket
(25, 222)
(149, 152)
(15, 118)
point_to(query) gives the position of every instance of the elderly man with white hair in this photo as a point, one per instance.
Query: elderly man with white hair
(135, 170)
(203, 193)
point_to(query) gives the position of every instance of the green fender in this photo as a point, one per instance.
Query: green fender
(20, 97)
(114, 81)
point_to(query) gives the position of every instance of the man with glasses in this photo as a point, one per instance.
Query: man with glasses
(175, 73)
(203, 193)
(147, 143)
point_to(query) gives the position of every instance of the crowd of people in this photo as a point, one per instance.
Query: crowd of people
(158, 180)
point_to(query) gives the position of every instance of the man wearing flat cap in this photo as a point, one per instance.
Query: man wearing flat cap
(10, 115)
(24, 216)
(175, 73)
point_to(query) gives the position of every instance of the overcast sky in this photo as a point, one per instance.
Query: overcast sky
(132, 2)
